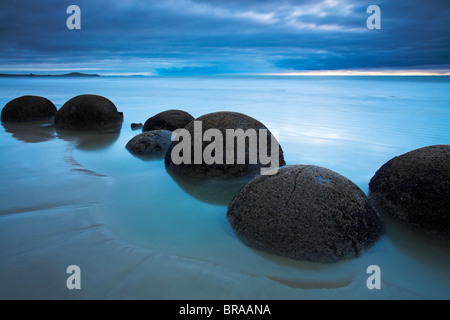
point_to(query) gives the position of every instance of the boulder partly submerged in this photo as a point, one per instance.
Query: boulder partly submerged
(88, 112)
(221, 122)
(168, 120)
(28, 109)
(306, 213)
(414, 188)
(151, 144)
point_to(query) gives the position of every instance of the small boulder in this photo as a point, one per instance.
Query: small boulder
(151, 144)
(168, 120)
(88, 112)
(305, 212)
(28, 108)
(414, 188)
(136, 126)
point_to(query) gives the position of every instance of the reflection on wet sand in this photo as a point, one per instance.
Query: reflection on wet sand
(417, 244)
(31, 132)
(90, 140)
(215, 191)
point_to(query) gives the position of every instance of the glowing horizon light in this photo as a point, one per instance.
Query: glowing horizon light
(364, 73)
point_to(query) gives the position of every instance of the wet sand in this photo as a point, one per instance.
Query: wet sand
(138, 233)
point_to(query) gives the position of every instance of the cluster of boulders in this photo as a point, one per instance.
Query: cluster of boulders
(155, 139)
(91, 121)
(83, 112)
(304, 212)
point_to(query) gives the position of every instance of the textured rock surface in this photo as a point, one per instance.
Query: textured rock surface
(223, 121)
(150, 144)
(168, 120)
(88, 112)
(28, 108)
(305, 213)
(415, 189)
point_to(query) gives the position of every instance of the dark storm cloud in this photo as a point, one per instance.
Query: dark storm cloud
(216, 36)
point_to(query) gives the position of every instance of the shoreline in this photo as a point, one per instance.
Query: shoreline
(137, 234)
(67, 75)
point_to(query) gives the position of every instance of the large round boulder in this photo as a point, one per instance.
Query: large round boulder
(305, 212)
(151, 144)
(28, 108)
(240, 161)
(168, 120)
(415, 189)
(88, 112)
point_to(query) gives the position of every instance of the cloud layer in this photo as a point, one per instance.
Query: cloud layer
(217, 36)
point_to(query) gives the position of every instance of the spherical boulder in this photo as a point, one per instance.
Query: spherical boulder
(152, 144)
(28, 108)
(235, 159)
(88, 112)
(305, 212)
(415, 189)
(168, 120)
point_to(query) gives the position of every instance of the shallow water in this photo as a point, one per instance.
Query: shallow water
(137, 232)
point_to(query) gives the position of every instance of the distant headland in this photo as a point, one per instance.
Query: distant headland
(32, 75)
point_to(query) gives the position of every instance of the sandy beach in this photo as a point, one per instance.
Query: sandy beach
(136, 233)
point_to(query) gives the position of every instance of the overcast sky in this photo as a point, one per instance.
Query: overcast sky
(169, 37)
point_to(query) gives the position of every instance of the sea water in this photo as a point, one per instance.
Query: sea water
(136, 231)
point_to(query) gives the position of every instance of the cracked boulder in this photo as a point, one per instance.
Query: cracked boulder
(305, 213)
(414, 188)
